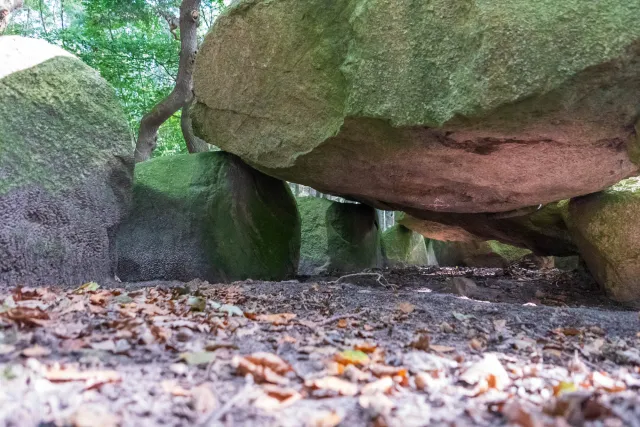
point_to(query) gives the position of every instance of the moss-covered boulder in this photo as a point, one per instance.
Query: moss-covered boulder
(540, 229)
(488, 254)
(606, 228)
(66, 163)
(338, 237)
(403, 247)
(208, 216)
(441, 105)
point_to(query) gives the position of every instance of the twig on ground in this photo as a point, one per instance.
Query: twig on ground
(336, 318)
(380, 279)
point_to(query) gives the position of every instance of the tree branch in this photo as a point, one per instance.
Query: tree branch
(6, 8)
(182, 92)
(194, 144)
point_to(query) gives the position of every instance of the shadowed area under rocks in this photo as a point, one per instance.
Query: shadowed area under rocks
(292, 353)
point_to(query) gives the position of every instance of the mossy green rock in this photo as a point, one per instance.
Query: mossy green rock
(337, 237)
(489, 254)
(403, 247)
(606, 228)
(441, 105)
(208, 216)
(66, 164)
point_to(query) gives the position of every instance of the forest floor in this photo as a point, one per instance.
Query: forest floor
(519, 347)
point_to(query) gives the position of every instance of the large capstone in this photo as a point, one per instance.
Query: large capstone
(444, 105)
(66, 162)
(606, 228)
(338, 237)
(208, 216)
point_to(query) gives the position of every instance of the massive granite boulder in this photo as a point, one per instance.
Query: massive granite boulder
(338, 237)
(66, 164)
(208, 216)
(606, 228)
(540, 229)
(402, 247)
(443, 105)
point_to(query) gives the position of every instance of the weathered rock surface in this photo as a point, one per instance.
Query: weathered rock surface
(338, 237)
(66, 162)
(208, 216)
(606, 228)
(540, 229)
(403, 247)
(445, 105)
(489, 254)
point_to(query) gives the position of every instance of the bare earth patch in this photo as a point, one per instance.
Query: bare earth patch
(522, 347)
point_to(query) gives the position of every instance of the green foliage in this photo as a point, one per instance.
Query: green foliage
(127, 41)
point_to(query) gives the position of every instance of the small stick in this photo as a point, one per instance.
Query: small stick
(380, 279)
(336, 318)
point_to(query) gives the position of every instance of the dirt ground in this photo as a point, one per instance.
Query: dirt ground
(408, 347)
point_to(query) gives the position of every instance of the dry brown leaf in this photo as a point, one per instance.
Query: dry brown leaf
(380, 370)
(517, 414)
(93, 416)
(605, 382)
(276, 319)
(352, 357)
(342, 323)
(570, 332)
(487, 373)
(173, 388)
(204, 401)
(406, 307)
(366, 347)
(382, 385)
(333, 385)
(92, 379)
(264, 367)
(100, 298)
(422, 342)
(331, 419)
(26, 316)
(36, 351)
(476, 344)
(442, 348)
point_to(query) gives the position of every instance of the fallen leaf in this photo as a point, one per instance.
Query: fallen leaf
(100, 298)
(264, 367)
(276, 319)
(604, 382)
(488, 373)
(204, 401)
(352, 357)
(441, 348)
(366, 347)
(382, 385)
(564, 387)
(173, 388)
(26, 316)
(499, 325)
(517, 414)
(333, 386)
(197, 303)
(331, 419)
(342, 323)
(94, 416)
(570, 332)
(92, 379)
(87, 287)
(422, 342)
(476, 344)
(36, 351)
(380, 370)
(198, 358)
(406, 307)
(231, 310)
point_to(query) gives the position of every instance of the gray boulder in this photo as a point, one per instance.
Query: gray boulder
(208, 216)
(338, 237)
(66, 162)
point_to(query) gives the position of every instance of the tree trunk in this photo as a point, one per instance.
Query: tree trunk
(182, 92)
(194, 144)
(6, 8)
